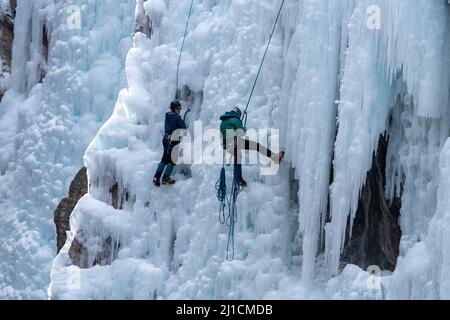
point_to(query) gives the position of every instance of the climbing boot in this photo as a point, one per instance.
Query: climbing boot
(156, 182)
(168, 181)
(279, 157)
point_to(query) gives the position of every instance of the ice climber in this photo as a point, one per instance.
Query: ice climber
(173, 124)
(232, 127)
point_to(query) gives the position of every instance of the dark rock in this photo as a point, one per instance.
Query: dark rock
(6, 41)
(376, 232)
(114, 191)
(45, 48)
(120, 196)
(13, 6)
(143, 23)
(88, 250)
(78, 253)
(78, 188)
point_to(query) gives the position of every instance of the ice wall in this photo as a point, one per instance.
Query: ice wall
(400, 69)
(337, 78)
(177, 230)
(423, 272)
(314, 60)
(66, 73)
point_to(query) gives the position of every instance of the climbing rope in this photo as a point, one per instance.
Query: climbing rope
(232, 216)
(221, 185)
(244, 116)
(224, 200)
(182, 48)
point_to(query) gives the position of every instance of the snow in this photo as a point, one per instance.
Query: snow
(46, 127)
(106, 220)
(331, 83)
(422, 272)
(4, 8)
(357, 284)
(155, 10)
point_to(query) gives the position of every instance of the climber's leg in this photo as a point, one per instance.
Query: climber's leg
(255, 146)
(160, 170)
(236, 152)
(169, 169)
(165, 161)
(172, 158)
(230, 148)
(167, 180)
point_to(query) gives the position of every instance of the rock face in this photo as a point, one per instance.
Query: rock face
(78, 189)
(376, 231)
(7, 14)
(88, 250)
(143, 23)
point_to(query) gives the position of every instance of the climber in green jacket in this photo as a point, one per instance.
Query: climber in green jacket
(231, 127)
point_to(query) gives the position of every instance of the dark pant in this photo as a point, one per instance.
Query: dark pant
(243, 144)
(166, 162)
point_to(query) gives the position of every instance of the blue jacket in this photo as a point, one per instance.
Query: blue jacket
(173, 122)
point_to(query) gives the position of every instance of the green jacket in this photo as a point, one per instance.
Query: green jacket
(231, 121)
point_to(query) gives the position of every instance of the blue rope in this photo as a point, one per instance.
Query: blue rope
(221, 187)
(232, 213)
(182, 48)
(244, 117)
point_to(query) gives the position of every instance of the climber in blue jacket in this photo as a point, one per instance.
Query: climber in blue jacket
(232, 127)
(173, 123)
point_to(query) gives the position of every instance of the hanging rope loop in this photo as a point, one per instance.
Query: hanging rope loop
(221, 188)
(232, 207)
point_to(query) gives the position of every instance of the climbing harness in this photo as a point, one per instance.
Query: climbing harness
(171, 144)
(221, 185)
(177, 94)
